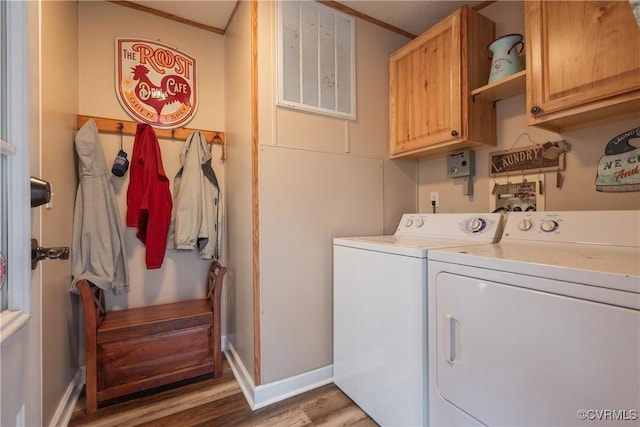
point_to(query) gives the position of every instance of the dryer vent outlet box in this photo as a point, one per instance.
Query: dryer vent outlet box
(461, 163)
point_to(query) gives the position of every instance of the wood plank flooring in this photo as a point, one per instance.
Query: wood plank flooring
(220, 402)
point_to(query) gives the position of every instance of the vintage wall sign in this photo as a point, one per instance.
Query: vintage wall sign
(541, 158)
(156, 83)
(619, 168)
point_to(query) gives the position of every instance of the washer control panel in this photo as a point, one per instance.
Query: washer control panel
(546, 225)
(534, 225)
(602, 227)
(411, 222)
(454, 226)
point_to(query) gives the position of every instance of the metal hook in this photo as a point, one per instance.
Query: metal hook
(121, 130)
(528, 137)
(218, 140)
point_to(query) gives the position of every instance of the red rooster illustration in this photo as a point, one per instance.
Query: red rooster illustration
(172, 89)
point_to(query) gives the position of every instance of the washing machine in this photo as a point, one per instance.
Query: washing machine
(540, 329)
(380, 311)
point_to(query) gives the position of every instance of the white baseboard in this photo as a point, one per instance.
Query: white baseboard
(267, 394)
(68, 402)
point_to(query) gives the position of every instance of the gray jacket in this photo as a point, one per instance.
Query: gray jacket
(197, 207)
(98, 251)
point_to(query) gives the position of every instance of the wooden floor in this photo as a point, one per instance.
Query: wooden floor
(221, 403)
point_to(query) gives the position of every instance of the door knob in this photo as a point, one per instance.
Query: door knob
(38, 253)
(40, 192)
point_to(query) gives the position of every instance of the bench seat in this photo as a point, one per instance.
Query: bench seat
(137, 349)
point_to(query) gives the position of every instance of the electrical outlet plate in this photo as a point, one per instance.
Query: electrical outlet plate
(434, 197)
(460, 164)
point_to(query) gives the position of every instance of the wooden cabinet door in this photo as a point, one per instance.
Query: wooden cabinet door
(582, 55)
(424, 85)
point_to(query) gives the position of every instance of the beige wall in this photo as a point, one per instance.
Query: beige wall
(59, 110)
(334, 179)
(183, 274)
(239, 280)
(587, 146)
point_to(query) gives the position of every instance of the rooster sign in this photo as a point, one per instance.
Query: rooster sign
(156, 84)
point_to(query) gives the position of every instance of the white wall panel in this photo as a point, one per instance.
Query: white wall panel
(312, 197)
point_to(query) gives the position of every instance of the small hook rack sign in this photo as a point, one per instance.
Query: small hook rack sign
(537, 158)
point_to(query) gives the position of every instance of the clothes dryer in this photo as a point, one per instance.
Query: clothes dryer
(540, 329)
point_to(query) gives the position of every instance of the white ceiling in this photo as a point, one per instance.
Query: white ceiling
(214, 13)
(414, 16)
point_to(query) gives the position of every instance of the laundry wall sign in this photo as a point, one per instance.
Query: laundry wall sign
(155, 83)
(538, 158)
(619, 168)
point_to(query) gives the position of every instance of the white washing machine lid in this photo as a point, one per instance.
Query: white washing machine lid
(606, 266)
(416, 247)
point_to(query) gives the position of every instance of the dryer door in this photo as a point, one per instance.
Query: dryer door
(509, 355)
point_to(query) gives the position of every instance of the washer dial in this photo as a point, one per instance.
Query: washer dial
(525, 225)
(549, 225)
(476, 225)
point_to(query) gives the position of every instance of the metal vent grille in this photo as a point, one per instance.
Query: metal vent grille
(316, 63)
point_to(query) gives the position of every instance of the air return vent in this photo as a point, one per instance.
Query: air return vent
(316, 59)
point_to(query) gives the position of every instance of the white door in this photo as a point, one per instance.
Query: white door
(20, 324)
(508, 356)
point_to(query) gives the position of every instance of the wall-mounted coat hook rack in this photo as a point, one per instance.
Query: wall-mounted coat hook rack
(125, 127)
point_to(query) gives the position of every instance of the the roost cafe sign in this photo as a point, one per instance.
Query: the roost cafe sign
(156, 83)
(535, 158)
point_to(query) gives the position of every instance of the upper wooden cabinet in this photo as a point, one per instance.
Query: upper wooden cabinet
(430, 80)
(583, 62)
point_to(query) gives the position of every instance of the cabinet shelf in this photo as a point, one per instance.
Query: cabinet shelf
(512, 85)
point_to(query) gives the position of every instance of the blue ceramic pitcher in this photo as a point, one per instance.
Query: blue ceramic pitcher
(506, 56)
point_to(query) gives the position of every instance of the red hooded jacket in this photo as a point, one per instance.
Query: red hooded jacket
(148, 196)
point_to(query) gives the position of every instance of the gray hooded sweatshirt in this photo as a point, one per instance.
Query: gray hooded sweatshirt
(98, 251)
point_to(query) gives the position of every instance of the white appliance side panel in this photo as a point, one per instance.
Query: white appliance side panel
(380, 350)
(514, 356)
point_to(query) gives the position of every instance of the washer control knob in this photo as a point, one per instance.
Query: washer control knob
(419, 222)
(477, 224)
(409, 222)
(525, 225)
(549, 225)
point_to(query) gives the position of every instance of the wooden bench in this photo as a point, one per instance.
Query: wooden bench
(137, 349)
